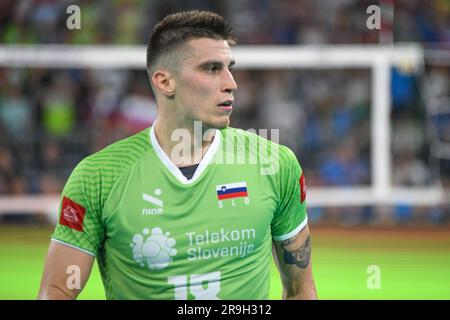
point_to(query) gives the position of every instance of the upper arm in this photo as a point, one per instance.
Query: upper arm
(290, 232)
(66, 272)
(293, 259)
(78, 234)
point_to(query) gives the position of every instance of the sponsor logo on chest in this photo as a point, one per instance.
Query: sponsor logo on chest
(155, 249)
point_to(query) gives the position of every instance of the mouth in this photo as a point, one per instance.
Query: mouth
(226, 105)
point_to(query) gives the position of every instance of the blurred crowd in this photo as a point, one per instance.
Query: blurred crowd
(52, 118)
(254, 21)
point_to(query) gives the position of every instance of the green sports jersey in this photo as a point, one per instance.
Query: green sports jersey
(158, 235)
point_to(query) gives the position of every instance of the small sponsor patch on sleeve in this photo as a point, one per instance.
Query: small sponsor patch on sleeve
(72, 214)
(302, 188)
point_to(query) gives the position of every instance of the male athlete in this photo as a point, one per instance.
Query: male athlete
(166, 223)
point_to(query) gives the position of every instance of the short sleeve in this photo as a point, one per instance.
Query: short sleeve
(80, 224)
(290, 216)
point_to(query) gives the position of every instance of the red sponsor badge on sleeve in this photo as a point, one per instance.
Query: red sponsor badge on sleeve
(302, 188)
(72, 214)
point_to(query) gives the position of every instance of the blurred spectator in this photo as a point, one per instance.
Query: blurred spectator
(10, 181)
(410, 171)
(277, 99)
(403, 89)
(58, 108)
(15, 113)
(137, 110)
(130, 19)
(344, 167)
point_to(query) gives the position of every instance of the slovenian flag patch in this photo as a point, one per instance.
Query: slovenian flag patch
(231, 190)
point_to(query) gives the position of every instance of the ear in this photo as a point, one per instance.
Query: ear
(164, 82)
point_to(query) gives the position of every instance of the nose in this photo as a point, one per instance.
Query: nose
(229, 85)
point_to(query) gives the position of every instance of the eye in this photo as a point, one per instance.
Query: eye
(212, 69)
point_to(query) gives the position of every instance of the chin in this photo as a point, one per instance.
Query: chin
(223, 124)
(218, 124)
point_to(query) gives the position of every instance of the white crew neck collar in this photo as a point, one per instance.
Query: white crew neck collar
(206, 160)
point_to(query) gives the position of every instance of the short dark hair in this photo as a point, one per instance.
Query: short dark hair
(176, 29)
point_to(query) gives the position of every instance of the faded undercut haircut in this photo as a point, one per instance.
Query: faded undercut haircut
(175, 30)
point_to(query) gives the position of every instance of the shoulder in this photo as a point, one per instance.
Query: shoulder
(133, 145)
(253, 142)
(93, 179)
(118, 156)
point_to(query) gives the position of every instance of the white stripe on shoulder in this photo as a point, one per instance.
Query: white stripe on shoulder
(73, 246)
(293, 232)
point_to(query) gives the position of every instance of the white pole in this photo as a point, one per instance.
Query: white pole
(380, 127)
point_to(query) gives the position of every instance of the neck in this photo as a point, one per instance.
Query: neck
(184, 143)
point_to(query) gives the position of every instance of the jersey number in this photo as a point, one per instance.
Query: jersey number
(202, 286)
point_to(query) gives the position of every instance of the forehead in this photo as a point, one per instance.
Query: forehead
(204, 49)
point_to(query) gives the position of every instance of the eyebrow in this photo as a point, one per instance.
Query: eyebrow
(216, 63)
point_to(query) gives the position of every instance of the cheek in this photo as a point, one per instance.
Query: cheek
(198, 87)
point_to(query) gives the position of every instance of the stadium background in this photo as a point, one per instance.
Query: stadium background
(50, 118)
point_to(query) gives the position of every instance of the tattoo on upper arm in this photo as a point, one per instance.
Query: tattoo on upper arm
(300, 256)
